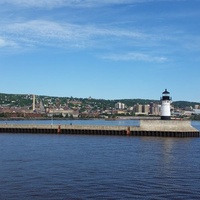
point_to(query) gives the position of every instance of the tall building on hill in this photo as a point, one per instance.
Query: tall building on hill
(42, 109)
(138, 108)
(154, 109)
(120, 106)
(196, 107)
(145, 109)
(33, 102)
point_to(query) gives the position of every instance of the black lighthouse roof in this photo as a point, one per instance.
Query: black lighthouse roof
(166, 92)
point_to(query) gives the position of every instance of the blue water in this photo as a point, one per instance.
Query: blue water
(196, 124)
(86, 122)
(43, 166)
(77, 122)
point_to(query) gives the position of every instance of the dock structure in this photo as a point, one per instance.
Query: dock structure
(155, 128)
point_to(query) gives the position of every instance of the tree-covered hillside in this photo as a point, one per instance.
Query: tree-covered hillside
(20, 100)
(17, 100)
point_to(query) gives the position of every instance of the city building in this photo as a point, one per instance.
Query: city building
(196, 111)
(138, 108)
(120, 106)
(145, 109)
(196, 107)
(154, 109)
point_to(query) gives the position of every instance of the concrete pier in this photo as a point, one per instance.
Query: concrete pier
(155, 128)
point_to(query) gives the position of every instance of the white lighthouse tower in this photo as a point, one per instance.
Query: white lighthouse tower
(165, 108)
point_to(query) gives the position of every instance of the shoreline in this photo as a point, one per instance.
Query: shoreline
(106, 119)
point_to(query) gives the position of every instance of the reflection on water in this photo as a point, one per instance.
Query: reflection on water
(42, 166)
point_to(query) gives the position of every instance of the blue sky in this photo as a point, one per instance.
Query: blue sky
(110, 49)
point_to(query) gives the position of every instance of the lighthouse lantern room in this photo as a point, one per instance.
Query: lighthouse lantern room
(165, 108)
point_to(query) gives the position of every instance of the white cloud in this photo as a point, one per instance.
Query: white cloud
(82, 3)
(2, 43)
(134, 56)
(33, 3)
(6, 43)
(40, 32)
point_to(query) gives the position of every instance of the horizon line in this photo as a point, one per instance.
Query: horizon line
(95, 98)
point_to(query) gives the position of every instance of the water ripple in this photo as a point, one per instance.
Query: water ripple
(98, 167)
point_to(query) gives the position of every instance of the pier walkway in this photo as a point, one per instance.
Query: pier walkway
(159, 128)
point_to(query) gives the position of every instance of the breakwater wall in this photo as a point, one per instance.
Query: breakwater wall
(159, 128)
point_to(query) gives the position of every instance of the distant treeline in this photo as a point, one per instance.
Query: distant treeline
(26, 100)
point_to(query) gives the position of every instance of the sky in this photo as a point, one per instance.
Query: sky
(106, 49)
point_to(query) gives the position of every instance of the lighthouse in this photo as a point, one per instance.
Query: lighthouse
(165, 108)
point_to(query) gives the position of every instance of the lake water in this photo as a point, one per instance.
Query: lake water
(98, 122)
(48, 166)
(86, 122)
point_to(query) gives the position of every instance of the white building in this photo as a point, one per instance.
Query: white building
(120, 106)
(196, 111)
